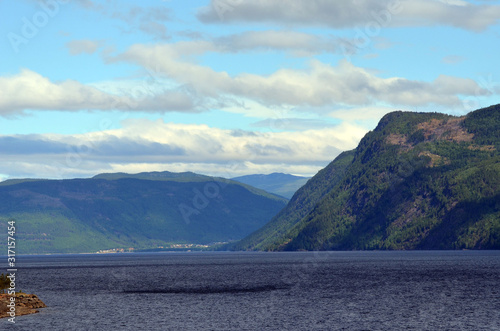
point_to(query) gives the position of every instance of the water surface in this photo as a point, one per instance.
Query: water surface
(264, 291)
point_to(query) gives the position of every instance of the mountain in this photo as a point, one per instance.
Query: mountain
(418, 181)
(141, 211)
(281, 184)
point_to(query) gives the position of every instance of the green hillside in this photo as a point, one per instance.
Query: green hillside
(140, 211)
(418, 181)
(274, 232)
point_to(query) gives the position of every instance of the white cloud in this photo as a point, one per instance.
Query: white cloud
(455, 2)
(319, 85)
(292, 124)
(144, 145)
(192, 87)
(361, 114)
(293, 42)
(202, 142)
(30, 90)
(354, 13)
(299, 43)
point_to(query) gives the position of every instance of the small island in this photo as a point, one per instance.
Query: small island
(25, 304)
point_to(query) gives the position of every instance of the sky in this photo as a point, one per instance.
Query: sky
(228, 87)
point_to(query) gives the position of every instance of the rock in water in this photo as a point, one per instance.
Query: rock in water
(25, 304)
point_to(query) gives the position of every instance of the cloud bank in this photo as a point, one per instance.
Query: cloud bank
(353, 13)
(30, 90)
(156, 145)
(319, 85)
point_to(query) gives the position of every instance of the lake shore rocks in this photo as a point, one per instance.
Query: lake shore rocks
(25, 304)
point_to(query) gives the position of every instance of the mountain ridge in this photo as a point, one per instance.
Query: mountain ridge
(417, 181)
(123, 211)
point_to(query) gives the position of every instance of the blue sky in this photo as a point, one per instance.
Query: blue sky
(228, 87)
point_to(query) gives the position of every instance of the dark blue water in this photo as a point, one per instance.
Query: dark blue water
(263, 291)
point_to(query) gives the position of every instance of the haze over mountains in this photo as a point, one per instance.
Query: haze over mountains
(278, 183)
(418, 181)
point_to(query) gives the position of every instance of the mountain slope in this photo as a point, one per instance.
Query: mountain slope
(418, 181)
(278, 183)
(121, 211)
(274, 233)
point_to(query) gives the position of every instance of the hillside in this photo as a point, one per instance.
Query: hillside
(418, 181)
(299, 206)
(278, 183)
(141, 211)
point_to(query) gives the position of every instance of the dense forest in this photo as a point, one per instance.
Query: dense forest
(418, 181)
(142, 211)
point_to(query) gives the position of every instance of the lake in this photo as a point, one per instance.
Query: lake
(416, 290)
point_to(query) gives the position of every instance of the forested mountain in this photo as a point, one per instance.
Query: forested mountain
(141, 211)
(418, 181)
(281, 184)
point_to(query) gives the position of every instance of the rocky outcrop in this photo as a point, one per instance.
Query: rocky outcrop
(25, 304)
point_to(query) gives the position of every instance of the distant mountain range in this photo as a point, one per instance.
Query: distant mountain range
(278, 183)
(418, 181)
(119, 210)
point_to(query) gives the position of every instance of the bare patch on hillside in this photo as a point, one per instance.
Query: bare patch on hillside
(400, 140)
(447, 129)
